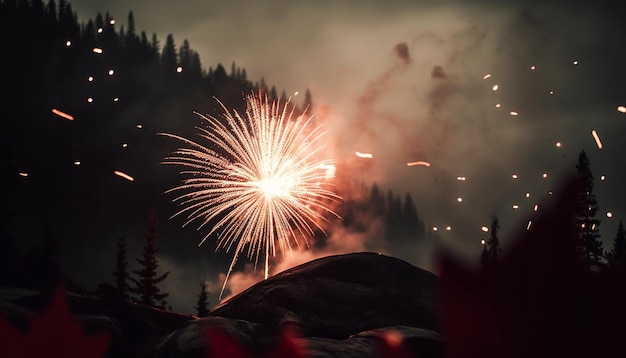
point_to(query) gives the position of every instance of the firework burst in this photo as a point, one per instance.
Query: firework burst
(255, 179)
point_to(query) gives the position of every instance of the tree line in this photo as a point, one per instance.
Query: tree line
(585, 224)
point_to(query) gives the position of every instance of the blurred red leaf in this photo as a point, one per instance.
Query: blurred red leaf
(55, 333)
(537, 301)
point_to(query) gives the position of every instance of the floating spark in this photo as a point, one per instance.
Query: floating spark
(123, 175)
(448, 228)
(609, 214)
(603, 178)
(575, 62)
(97, 50)
(559, 144)
(77, 163)
(544, 175)
(412, 164)
(486, 76)
(460, 178)
(23, 174)
(513, 113)
(90, 78)
(62, 114)
(498, 105)
(533, 67)
(255, 181)
(515, 206)
(68, 43)
(495, 87)
(483, 242)
(530, 222)
(621, 109)
(329, 170)
(514, 176)
(111, 72)
(435, 228)
(364, 155)
(90, 100)
(459, 199)
(179, 69)
(597, 138)
(484, 229)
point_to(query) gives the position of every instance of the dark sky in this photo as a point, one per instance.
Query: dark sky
(406, 81)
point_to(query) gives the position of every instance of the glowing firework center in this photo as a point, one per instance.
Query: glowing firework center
(261, 186)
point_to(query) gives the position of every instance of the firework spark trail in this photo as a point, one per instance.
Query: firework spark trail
(260, 186)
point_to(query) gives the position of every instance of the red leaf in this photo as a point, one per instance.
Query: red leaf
(55, 333)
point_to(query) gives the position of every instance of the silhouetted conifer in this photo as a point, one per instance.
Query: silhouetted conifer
(617, 256)
(491, 248)
(146, 288)
(121, 274)
(202, 306)
(586, 226)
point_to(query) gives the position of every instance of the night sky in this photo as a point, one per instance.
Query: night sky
(412, 81)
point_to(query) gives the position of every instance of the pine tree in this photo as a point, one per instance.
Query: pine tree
(308, 101)
(146, 284)
(491, 248)
(202, 309)
(617, 256)
(586, 226)
(121, 268)
(169, 58)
